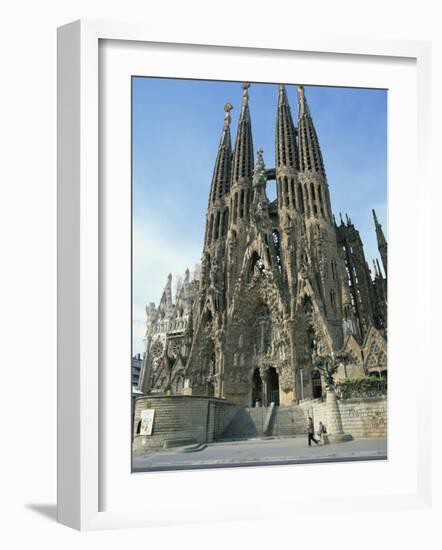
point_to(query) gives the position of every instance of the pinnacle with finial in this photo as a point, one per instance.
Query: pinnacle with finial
(245, 87)
(227, 118)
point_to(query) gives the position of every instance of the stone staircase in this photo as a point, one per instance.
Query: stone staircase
(287, 421)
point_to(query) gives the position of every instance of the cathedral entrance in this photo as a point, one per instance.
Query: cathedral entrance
(256, 389)
(273, 386)
(316, 384)
(210, 389)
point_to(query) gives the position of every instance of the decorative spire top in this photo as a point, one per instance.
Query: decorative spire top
(382, 241)
(259, 176)
(303, 105)
(245, 91)
(282, 96)
(243, 153)
(375, 217)
(223, 164)
(227, 118)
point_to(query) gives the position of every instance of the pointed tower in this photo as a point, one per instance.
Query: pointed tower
(290, 200)
(241, 194)
(217, 210)
(358, 275)
(217, 217)
(287, 157)
(382, 242)
(315, 207)
(314, 188)
(242, 169)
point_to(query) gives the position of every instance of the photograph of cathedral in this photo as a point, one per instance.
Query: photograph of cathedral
(273, 336)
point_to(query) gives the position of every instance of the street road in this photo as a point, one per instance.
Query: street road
(261, 452)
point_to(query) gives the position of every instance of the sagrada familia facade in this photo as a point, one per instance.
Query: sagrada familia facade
(280, 281)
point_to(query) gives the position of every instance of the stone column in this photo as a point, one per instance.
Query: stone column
(334, 421)
(290, 328)
(264, 373)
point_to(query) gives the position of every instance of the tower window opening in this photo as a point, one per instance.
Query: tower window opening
(301, 198)
(235, 208)
(209, 234)
(216, 228)
(256, 261)
(277, 244)
(241, 204)
(320, 198)
(292, 192)
(225, 221)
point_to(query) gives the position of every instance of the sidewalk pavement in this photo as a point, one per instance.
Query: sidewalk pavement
(260, 452)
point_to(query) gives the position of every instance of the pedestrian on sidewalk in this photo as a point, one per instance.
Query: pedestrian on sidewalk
(311, 432)
(321, 430)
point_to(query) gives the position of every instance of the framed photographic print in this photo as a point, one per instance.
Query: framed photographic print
(223, 313)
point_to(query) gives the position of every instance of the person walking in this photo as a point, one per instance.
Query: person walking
(321, 430)
(311, 432)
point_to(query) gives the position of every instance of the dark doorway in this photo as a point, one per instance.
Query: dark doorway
(256, 389)
(316, 384)
(210, 390)
(273, 386)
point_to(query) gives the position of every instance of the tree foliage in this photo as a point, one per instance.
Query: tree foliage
(365, 386)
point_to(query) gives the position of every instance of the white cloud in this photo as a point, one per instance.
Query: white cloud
(154, 257)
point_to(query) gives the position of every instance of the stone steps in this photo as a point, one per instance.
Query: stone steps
(286, 421)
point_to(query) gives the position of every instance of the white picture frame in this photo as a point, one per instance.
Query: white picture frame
(87, 378)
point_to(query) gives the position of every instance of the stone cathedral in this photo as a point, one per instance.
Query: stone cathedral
(279, 281)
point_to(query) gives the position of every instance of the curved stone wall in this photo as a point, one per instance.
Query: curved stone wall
(181, 419)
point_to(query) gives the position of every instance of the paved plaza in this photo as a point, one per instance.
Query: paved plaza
(260, 452)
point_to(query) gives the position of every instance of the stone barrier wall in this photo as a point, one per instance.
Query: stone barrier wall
(182, 419)
(360, 417)
(364, 418)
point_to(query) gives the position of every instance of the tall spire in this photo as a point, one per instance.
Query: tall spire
(286, 148)
(218, 211)
(223, 164)
(309, 150)
(382, 242)
(243, 153)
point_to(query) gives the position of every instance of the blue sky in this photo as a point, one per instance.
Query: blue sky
(176, 127)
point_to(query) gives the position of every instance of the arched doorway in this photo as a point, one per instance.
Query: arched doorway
(316, 384)
(256, 389)
(273, 386)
